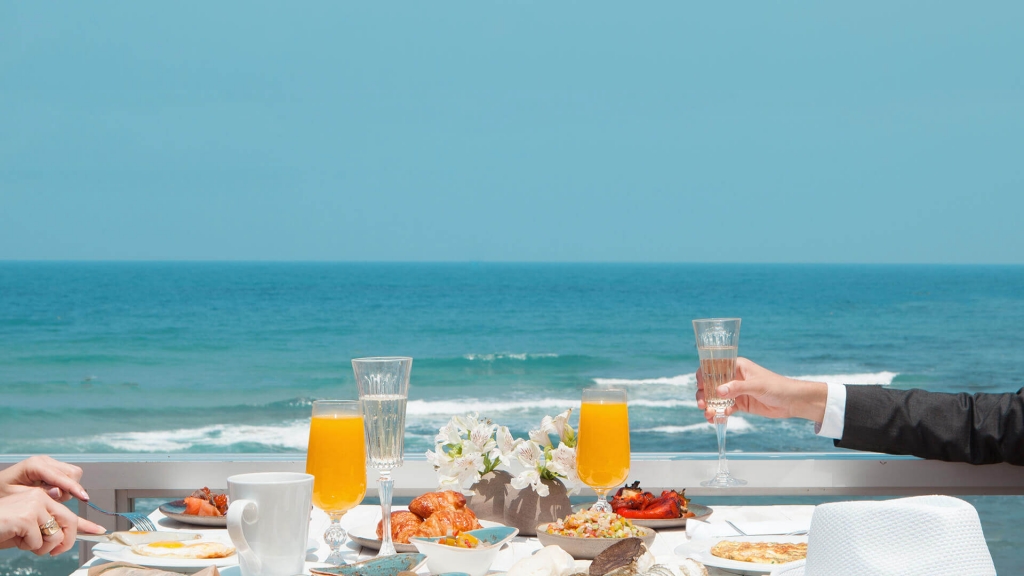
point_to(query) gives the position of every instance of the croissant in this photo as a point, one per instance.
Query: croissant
(450, 522)
(424, 506)
(404, 525)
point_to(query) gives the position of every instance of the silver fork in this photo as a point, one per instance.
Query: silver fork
(138, 519)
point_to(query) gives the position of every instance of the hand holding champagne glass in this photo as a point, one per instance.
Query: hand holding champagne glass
(602, 451)
(384, 391)
(337, 461)
(718, 342)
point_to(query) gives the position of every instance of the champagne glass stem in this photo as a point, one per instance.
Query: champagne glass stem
(720, 425)
(334, 537)
(385, 486)
(602, 504)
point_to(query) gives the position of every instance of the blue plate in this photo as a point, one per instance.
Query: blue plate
(386, 566)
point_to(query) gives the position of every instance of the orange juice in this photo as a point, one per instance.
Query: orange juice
(337, 461)
(602, 454)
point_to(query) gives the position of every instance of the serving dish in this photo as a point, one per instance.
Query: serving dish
(442, 558)
(701, 512)
(587, 548)
(120, 553)
(175, 510)
(700, 550)
(381, 566)
(366, 536)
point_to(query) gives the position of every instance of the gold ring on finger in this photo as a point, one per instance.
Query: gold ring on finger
(50, 528)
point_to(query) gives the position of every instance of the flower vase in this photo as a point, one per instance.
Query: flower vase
(487, 499)
(525, 509)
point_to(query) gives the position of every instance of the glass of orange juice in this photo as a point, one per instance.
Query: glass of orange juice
(337, 461)
(602, 451)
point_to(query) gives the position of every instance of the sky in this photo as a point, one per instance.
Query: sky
(879, 132)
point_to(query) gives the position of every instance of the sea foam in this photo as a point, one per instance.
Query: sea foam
(507, 356)
(884, 378)
(681, 380)
(486, 407)
(736, 424)
(290, 436)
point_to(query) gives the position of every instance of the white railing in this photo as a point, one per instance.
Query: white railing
(114, 481)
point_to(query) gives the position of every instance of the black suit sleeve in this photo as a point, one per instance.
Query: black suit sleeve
(978, 428)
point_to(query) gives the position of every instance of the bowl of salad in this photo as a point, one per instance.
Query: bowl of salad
(471, 552)
(587, 533)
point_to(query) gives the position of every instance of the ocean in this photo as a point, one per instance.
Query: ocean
(227, 357)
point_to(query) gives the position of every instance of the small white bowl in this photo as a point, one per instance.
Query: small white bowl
(473, 561)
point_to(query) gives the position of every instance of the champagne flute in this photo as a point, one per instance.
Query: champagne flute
(718, 341)
(602, 451)
(384, 390)
(337, 460)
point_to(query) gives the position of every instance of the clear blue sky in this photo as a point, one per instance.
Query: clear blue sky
(513, 131)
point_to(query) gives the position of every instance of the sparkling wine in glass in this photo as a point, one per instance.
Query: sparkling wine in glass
(384, 391)
(337, 460)
(602, 451)
(718, 342)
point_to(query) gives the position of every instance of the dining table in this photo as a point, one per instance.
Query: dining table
(364, 518)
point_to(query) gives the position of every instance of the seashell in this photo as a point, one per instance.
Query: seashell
(690, 567)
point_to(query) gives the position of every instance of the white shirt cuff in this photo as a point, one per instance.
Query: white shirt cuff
(831, 426)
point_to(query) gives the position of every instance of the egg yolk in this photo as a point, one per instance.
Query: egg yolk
(166, 545)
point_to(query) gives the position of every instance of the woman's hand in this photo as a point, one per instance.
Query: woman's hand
(23, 513)
(59, 479)
(760, 391)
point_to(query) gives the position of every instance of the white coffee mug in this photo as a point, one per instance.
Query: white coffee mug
(268, 521)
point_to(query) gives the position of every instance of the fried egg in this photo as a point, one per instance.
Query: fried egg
(185, 550)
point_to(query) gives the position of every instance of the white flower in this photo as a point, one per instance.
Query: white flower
(448, 434)
(560, 426)
(531, 478)
(563, 463)
(529, 454)
(480, 438)
(547, 425)
(505, 445)
(467, 422)
(438, 457)
(541, 437)
(449, 483)
(467, 467)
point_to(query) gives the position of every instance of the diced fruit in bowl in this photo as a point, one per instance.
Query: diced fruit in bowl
(474, 560)
(464, 540)
(587, 533)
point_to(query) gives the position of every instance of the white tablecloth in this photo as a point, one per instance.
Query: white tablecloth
(368, 516)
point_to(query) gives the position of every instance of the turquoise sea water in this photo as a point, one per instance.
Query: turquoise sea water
(226, 357)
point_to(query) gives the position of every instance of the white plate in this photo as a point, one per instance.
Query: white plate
(700, 510)
(700, 550)
(118, 553)
(366, 536)
(175, 510)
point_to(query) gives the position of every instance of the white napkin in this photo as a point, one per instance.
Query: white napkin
(698, 530)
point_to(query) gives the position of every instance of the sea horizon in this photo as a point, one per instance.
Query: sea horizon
(716, 263)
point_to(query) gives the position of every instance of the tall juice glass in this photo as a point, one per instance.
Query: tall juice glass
(718, 341)
(602, 451)
(337, 460)
(384, 391)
